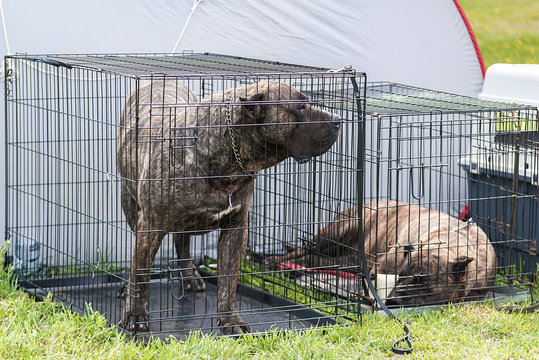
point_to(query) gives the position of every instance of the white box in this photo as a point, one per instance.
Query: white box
(512, 83)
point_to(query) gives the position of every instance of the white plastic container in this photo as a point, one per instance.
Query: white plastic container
(512, 83)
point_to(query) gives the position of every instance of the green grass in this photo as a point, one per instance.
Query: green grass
(507, 31)
(30, 329)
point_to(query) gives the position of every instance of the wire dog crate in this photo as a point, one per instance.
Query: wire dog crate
(458, 177)
(109, 154)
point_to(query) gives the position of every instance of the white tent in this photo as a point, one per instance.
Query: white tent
(426, 43)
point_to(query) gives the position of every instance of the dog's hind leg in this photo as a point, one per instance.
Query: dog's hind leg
(135, 311)
(329, 243)
(182, 243)
(129, 206)
(131, 210)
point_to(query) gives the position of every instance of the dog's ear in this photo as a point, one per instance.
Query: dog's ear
(459, 266)
(254, 110)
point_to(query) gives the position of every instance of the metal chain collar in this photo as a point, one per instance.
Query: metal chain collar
(228, 119)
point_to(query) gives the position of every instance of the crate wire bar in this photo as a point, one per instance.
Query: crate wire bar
(64, 189)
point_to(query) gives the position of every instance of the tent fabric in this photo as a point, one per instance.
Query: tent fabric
(426, 43)
(419, 42)
(423, 42)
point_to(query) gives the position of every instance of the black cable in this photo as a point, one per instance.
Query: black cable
(361, 164)
(406, 337)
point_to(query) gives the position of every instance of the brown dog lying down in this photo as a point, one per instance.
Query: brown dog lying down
(437, 258)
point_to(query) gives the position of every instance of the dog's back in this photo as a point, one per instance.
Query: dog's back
(149, 114)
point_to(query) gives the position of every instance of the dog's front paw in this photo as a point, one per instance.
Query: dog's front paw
(233, 325)
(195, 283)
(134, 318)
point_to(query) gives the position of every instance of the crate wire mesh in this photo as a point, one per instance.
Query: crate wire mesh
(65, 185)
(472, 159)
(447, 153)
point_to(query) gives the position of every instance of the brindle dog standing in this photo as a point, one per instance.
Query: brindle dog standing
(189, 190)
(437, 257)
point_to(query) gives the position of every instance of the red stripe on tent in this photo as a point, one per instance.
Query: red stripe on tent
(472, 37)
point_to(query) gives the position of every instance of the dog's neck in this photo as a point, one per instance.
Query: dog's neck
(232, 136)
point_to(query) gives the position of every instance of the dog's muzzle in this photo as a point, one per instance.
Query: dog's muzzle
(320, 140)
